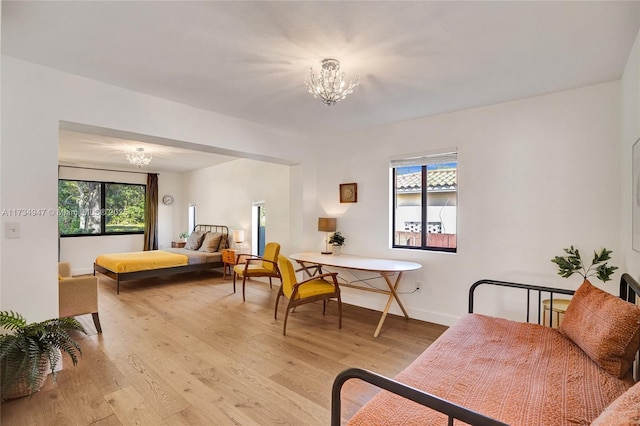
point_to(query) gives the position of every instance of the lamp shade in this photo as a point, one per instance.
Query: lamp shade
(327, 224)
(238, 236)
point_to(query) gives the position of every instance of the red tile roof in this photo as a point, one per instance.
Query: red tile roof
(437, 180)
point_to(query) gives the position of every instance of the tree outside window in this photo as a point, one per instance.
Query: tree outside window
(99, 208)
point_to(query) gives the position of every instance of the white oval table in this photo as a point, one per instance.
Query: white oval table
(312, 263)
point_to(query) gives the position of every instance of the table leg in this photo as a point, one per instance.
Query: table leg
(392, 295)
(317, 269)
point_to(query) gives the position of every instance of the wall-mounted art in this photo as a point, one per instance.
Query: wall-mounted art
(348, 193)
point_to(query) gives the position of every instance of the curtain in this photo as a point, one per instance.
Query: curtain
(151, 213)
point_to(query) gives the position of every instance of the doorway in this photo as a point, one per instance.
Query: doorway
(192, 217)
(258, 227)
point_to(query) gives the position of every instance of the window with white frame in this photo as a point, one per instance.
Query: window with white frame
(424, 197)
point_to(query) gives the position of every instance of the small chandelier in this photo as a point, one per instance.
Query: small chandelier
(330, 86)
(139, 158)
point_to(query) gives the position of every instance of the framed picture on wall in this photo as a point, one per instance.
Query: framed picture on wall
(635, 202)
(348, 193)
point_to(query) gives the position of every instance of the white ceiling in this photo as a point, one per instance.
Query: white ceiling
(82, 149)
(249, 59)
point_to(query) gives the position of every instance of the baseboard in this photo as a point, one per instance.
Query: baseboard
(415, 313)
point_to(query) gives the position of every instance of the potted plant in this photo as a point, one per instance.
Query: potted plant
(29, 350)
(184, 236)
(337, 241)
(572, 264)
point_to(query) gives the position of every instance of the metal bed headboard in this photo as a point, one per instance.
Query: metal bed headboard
(535, 289)
(630, 292)
(223, 229)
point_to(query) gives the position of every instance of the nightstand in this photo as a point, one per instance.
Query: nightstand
(230, 258)
(178, 244)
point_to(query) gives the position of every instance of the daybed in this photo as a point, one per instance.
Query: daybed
(491, 371)
(202, 251)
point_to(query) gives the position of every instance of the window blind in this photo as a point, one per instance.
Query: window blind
(423, 159)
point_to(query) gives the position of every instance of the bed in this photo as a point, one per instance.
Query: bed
(156, 263)
(492, 371)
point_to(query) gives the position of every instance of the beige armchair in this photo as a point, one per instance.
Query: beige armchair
(77, 295)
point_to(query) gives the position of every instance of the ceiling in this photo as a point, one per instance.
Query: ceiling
(249, 59)
(81, 149)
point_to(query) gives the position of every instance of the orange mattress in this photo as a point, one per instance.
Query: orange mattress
(141, 261)
(518, 373)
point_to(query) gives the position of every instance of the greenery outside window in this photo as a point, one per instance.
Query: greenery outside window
(424, 209)
(100, 208)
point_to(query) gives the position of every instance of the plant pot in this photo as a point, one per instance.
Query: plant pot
(21, 388)
(336, 250)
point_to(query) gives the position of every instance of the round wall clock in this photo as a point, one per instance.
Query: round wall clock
(167, 199)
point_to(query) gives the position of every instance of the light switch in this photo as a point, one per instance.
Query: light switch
(12, 230)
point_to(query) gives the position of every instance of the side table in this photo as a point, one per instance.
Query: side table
(230, 258)
(559, 307)
(178, 244)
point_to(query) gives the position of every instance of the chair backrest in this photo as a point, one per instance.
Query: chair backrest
(288, 275)
(271, 252)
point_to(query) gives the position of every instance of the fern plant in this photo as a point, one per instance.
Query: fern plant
(22, 350)
(572, 264)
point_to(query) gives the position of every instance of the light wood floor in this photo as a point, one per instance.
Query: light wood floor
(185, 350)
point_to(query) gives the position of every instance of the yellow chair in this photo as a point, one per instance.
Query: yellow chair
(256, 266)
(299, 293)
(77, 295)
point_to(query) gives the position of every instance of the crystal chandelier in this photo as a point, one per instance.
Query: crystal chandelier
(330, 86)
(139, 158)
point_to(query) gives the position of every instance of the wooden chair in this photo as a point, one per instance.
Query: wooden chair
(77, 295)
(256, 266)
(311, 290)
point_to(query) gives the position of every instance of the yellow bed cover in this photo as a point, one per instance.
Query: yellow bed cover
(141, 260)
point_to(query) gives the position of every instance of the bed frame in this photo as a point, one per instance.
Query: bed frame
(629, 291)
(126, 276)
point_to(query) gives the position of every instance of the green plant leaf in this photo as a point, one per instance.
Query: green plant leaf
(12, 320)
(22, 351)
(572, 264)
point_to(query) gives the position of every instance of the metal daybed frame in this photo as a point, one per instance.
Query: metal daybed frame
(629, 291)
(160, 272)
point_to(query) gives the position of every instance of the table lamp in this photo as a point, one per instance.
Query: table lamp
(327, 224)
(238, 238)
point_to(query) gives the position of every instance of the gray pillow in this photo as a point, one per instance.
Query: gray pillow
(195, 240)
(211, 242)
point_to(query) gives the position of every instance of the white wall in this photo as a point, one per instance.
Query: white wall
(630, 132)
(172, 219)
(34, 101)
(535, 176)
(223, 195)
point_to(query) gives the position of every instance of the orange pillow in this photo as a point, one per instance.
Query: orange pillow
(604, 326)
(624, 411)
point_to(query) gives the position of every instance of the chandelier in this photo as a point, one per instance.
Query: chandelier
(330, 86)
(139, 158)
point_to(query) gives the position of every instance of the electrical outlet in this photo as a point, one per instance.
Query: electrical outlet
(418, 285)
(12, 230)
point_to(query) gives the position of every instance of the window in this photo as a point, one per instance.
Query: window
(100, 208)
(425, 202)
(192, 217)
